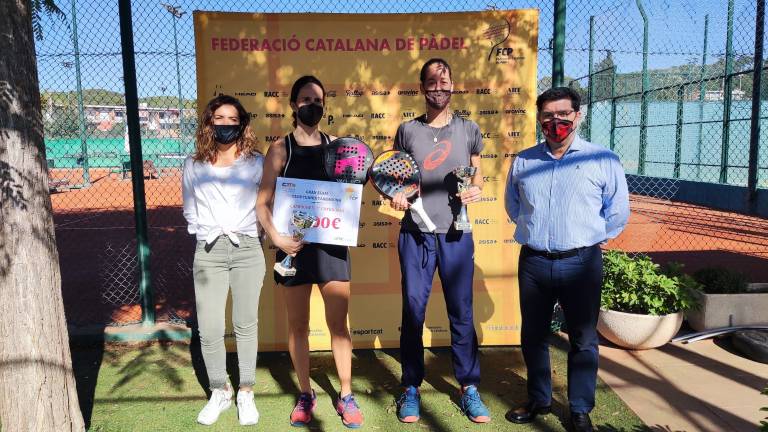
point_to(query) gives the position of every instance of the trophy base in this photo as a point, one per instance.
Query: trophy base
(462, 226)
(285, 271)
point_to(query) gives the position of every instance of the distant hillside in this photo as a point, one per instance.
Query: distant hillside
(108, 97)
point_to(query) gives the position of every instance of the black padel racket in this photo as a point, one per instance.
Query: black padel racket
(347, 160)
(395, 171)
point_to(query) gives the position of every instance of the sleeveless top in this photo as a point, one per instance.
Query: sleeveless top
(305, 162)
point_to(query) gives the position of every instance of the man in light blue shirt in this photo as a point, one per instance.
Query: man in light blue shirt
(566, 196)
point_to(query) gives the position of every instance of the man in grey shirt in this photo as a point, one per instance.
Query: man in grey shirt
(439, 142)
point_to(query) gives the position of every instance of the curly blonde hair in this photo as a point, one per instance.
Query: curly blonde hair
(205, 142)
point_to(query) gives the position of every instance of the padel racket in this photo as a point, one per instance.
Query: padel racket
(395, 171)
(347, 160)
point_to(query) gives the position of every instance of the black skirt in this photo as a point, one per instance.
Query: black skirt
(316, 263)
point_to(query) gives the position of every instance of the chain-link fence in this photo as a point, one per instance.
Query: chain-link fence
(666, 84)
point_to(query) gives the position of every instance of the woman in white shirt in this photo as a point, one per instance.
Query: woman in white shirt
(220, 184)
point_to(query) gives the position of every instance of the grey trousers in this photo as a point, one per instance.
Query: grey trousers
(219, 267)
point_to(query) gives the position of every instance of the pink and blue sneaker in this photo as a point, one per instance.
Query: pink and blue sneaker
(473, 406)
(349, 411)
(408, 405)
(302, 412)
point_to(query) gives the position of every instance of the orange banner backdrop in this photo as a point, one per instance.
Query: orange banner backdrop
(369, 65)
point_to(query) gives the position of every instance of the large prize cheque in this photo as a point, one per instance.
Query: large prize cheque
(335, 208)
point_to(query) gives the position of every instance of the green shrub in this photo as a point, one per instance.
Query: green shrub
(637, 285)
(721, 280)
(675, 269)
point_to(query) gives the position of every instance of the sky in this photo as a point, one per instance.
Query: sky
(676, 34)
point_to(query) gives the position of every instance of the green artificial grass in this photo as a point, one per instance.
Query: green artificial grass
(159, 387)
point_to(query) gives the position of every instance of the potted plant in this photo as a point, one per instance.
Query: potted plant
(727, 300)
(641, 306)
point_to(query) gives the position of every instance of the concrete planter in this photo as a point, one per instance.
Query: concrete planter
(636, 331)
(726, 310)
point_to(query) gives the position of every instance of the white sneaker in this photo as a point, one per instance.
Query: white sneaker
(246, 408)
(220, 401)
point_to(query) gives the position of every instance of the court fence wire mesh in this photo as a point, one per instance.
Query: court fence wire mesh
(667, 85)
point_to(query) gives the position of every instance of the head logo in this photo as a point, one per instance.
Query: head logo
(497, 33)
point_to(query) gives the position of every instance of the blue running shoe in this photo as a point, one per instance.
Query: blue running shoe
(473, 406)
(408, 405)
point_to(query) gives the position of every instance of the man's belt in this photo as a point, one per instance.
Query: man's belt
(555, 255)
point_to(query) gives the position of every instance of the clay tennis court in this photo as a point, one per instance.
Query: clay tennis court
(97, 247)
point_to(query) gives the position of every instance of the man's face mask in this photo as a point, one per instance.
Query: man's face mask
(557, 129)
(310, 114)
(438, 99)
(225, 134)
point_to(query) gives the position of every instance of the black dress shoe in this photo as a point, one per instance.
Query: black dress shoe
(528, 413)
(581, 422)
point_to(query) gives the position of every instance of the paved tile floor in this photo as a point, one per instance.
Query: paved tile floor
(702, 386)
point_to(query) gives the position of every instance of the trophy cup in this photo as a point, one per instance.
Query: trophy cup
(301, 221)
(464, 174)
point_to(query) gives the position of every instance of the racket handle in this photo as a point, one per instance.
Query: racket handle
(418, 207)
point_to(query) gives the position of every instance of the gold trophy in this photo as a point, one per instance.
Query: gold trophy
(301, 222)
(464, 174)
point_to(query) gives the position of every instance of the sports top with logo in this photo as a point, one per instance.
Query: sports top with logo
(438, 151)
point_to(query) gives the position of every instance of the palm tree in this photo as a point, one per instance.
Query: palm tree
(37, 386)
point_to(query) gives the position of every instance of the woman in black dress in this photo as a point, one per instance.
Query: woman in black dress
(299, 155)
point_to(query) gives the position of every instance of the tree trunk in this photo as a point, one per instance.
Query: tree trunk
(37, 386)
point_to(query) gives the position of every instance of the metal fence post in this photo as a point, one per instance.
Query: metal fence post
(137, 168)
(702, 92)
(590, 87)
(757, 81)
(644, 94)
(178, 84)
(679, 130)
(727, 95)
(613, 108)
(558, 50)
(80, 104)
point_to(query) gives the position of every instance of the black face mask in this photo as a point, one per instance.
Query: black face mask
(225, 134)
(310, 114)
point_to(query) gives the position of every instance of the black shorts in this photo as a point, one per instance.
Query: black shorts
(317, 263)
